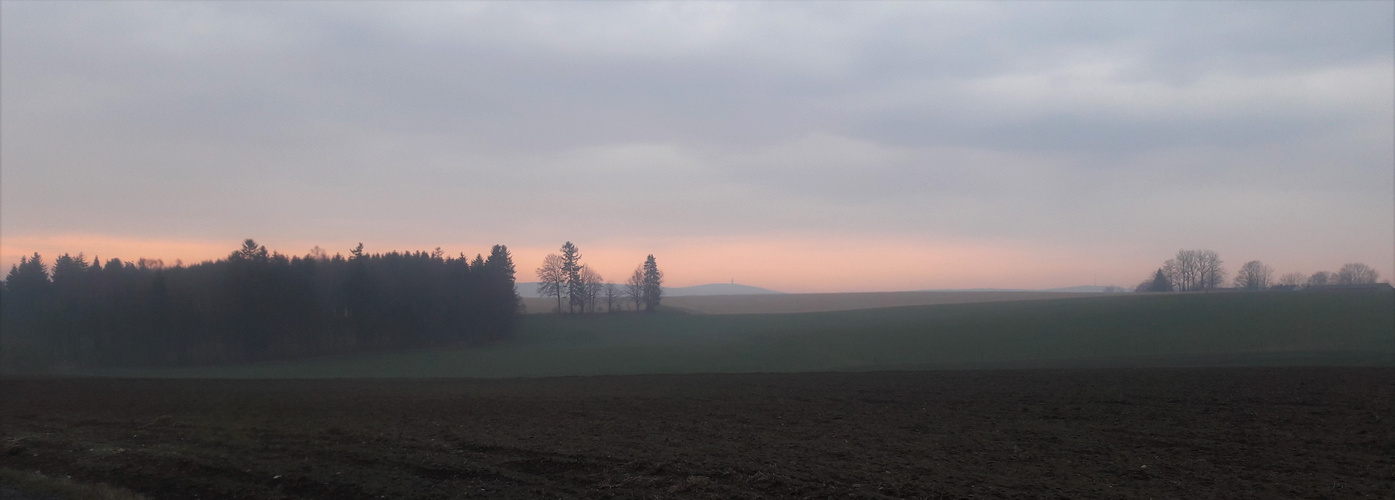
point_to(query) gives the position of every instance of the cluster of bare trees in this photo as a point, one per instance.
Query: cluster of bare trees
(1190, 270)
(1255, 275)
(1201, 270)
(1195, 270)
(585, 289)
(1354, 273)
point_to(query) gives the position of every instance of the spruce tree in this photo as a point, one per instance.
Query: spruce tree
(571, 267)
(499, 273)
(1160, 282)
(500, 263)
(653, 284)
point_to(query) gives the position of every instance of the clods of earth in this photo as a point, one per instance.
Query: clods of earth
(1142, 433)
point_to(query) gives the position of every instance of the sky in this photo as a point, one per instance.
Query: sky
(798, 146)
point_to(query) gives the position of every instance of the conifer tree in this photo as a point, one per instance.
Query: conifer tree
(576, 287)
(653, 284)
(499, 275)
(500, 263)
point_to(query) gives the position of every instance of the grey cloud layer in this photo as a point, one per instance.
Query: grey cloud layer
(1097, 123)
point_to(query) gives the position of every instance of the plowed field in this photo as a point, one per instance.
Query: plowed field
(1178, 433)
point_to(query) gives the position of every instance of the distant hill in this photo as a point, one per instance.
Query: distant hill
(529, 290)
(1080, 289)
(816, 302)
(718, 289)
(1068, 289)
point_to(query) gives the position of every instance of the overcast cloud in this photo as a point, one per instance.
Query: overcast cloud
(1114, 132)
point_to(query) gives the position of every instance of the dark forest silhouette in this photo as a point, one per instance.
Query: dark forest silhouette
(253, 305)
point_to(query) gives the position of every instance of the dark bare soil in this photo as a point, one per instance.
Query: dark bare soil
(1158, 433)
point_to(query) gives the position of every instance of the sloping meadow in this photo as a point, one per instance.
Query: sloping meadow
(1218, 329)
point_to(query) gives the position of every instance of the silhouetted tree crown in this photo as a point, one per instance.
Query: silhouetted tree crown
(1159, 283)
(1254, 276)
(500, 263)
(1319, 278)
(552, 278)
(1195, 270)
(1351, 274)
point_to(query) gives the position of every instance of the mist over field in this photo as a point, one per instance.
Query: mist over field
(428, 250)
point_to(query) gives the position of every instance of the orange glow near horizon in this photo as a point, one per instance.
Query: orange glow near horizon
(791, 264)
(109, 247)
(787, 263)
(811, 265)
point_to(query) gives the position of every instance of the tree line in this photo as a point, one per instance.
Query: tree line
(1202, 270)
(585, 289)
(252, 305)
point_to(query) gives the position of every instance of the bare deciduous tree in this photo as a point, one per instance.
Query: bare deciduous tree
(1356, 273)
(634, 287)
(1210, 274)
(1193, 270)
(1320, 278)
(1254, 276)
(591, 284)
(1293, 279)
(1182, 270)
(612, 297)
(551, 278)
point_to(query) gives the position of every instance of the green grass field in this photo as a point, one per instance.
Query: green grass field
(1221, 329)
